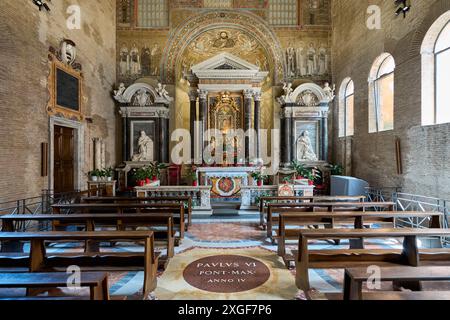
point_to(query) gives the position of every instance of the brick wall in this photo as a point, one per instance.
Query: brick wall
(24, 123)
(426, 150)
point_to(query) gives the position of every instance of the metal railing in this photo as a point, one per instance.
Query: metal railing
(412, 202)
(40, 205)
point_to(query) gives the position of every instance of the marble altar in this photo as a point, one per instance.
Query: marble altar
(226, 182)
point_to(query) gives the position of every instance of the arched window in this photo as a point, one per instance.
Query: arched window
(435, 72)
(346, 108)
(381, 94)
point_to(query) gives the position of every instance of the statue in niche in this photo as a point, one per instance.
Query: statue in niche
(146, 60)
(135, 61)
(142, 98)
(311, 60)
(68, 52)
(124, 64)
(224, 41)
(305, 150)
(290, 59)
(145, 148)
(323, 61)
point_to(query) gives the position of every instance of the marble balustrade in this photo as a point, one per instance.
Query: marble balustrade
(250, 194)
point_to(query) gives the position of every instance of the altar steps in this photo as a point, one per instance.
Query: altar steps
(226, 209)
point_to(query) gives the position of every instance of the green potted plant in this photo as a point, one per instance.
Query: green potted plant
(109, 173)
(259, 177)
(147, 173)
(192, 174)
(95, 174)
(336, 170)
(305, 174)
(301, 175)
(140, 175)
(156, 168)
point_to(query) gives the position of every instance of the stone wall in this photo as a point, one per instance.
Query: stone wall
(27, 35)
(426, 150)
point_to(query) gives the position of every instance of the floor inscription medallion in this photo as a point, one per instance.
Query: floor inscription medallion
(226, 274)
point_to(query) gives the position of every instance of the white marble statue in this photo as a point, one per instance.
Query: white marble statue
(287, 87)
(305, 150)
(162, 92)
(68, 51)
(329, 91)
(119, 92)
(145, 145)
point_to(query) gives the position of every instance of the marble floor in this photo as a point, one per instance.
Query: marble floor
(218, 235)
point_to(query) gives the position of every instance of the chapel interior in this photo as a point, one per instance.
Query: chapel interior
(225, 149)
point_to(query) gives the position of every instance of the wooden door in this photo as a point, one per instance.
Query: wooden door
(64, 159)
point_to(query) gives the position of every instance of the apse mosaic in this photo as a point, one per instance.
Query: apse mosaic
(214, 42)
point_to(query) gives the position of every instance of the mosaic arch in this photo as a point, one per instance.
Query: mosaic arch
(247, 25)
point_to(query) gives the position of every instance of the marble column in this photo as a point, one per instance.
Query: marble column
(293, 137)
(193, 95)
(285, 137)
(257, 124)
(325, 137)
(99, 154)
(164, 137)
(125, 143)
(248, 101)
(203, 113)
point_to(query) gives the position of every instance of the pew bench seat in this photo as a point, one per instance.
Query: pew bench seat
(410, 255)
(96, 282)
(355, 277)
(39, 260)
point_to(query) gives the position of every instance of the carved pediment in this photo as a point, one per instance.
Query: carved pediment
(227, 66)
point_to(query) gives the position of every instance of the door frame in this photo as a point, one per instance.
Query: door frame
(78, 150)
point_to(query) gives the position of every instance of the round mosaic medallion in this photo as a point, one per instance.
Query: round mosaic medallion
(226, 274)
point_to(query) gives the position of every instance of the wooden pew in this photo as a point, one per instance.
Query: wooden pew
(337, 259)
(177, 209)
(90, 221)
(183, 199)
(264, 201)
(97, 282)
(38, 260)
(358, 219)
(355, 277)
(272, 209)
